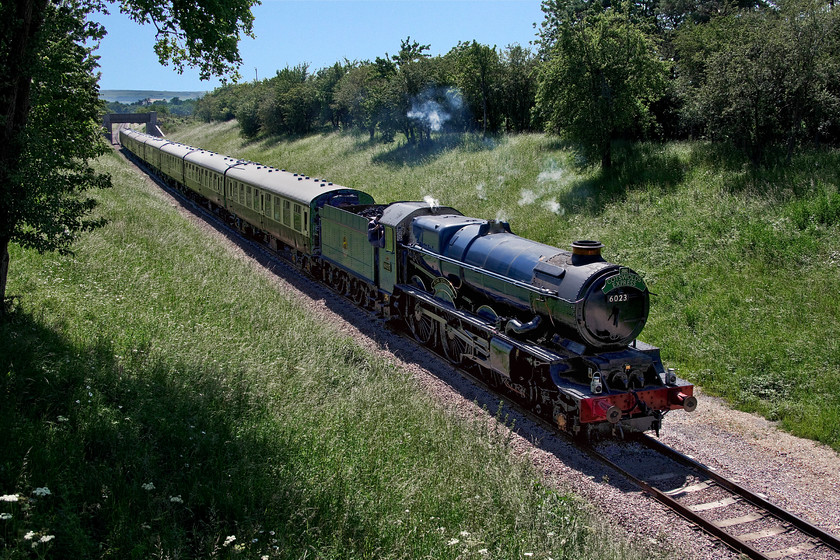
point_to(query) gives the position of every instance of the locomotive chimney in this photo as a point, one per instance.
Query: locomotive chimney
(586, 251)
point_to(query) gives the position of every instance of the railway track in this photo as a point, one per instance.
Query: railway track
(747, 522)
(743, 520)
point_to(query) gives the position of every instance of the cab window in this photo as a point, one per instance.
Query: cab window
(389, 239)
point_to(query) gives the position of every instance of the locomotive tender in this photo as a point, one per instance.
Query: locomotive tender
(554, 329)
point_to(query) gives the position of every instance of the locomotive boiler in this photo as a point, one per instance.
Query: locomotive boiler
(576, 293)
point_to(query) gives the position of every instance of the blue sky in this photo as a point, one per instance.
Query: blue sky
(321, 32)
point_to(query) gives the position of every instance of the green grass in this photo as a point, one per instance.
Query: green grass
(744, 262)
(177, 404)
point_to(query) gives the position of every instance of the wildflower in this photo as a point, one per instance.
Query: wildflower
(528, 554)
(229, 540)
(148, 486)
(9, 498)
(453, 542)
(482, 551)
(62, 419)
(42, 491)
(28, 536)
(465, 534)
(5, 516)
(47, 538)
(176, 499)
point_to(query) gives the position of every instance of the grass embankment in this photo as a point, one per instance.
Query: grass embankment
(745, 263)
(161, 398)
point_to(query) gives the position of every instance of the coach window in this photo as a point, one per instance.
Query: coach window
(305, 221)
(241, 193)
(297, 226)
(277, 209)
(287, 213)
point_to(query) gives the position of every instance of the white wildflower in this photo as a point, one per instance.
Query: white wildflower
(482, 551)
(47, 538)
(149, 486)
(62, 419)
(42, 491)
(176, 499)
(465, 534)
(28, 536)
(229, 540)
(9, 498)
(453, 542)
(528, 554)
(5, 516)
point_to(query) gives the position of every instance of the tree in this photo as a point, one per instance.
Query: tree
(519, 85)
(768, 77)
(49, 104)
(602, 75)
(477, 70)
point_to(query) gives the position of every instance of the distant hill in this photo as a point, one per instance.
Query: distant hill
(132, 95)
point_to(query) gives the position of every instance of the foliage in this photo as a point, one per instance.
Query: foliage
(477, 69)
(409, 93)
(41, 201)
(49, 102)
(599, 83)
(175, 106)
(767, 78)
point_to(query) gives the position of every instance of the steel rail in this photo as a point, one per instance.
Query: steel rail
(757, 501)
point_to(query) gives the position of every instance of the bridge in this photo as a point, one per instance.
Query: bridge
(150, 119)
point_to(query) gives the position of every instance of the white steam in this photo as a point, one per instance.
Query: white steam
(435, 106)
(432, 202)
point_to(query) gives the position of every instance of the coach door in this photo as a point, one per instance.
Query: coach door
(388, 263)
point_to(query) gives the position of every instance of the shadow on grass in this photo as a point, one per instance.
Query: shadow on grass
(413, 154)
(636, 166)
(97, 429)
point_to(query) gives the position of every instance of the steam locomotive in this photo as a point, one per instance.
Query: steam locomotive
(556, 330)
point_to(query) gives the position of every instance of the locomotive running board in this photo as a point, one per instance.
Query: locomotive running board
(538, 352)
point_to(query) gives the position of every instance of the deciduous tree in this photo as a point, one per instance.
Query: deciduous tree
(601, 77)
(48, 103)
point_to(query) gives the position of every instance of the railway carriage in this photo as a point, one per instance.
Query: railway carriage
(205, 174)
(284, 205)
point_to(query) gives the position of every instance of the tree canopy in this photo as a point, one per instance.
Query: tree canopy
(601, 77)
(50, 107)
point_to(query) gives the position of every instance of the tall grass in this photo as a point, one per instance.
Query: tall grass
(161, 397)
(744, 262)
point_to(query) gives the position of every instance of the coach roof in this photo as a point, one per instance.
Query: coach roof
(290, 185)
(213, 161)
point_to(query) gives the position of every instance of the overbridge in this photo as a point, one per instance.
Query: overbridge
(150, 119)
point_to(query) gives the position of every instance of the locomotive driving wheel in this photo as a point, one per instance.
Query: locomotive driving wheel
(421, 325)
(454, 347)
